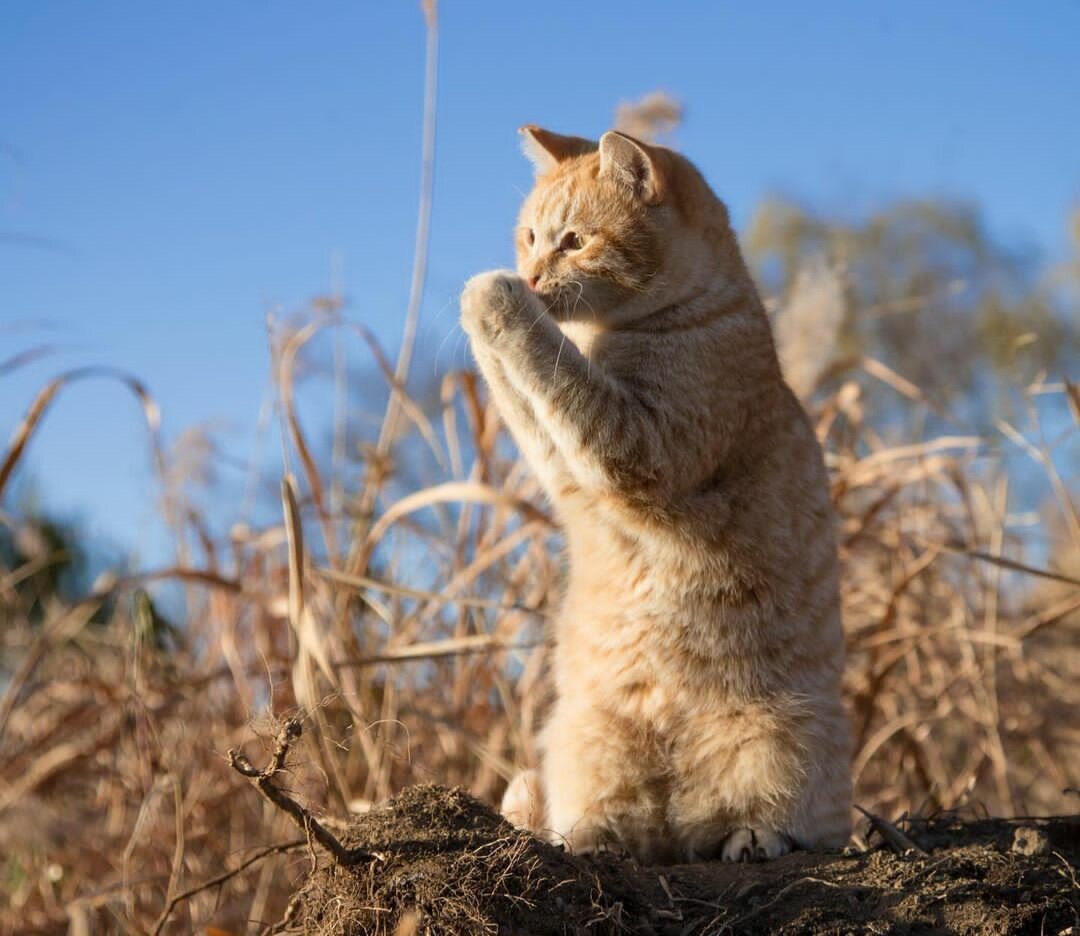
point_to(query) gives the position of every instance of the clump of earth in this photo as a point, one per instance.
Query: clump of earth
(444, 863)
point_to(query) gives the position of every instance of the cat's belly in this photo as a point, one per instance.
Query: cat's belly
(633, 667)
(666, 667)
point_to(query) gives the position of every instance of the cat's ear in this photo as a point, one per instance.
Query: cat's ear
(633, 164)
(546, 149)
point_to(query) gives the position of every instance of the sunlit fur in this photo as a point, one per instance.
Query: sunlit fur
(699, 647)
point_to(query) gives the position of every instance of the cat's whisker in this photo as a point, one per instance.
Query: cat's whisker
(536, 320)
(573, 308)
(450, 300)
(558, 356)
(591, 307)
(461, 345)
(595, 318)
(451, 333)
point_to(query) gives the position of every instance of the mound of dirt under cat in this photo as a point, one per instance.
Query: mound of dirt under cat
(443, 863)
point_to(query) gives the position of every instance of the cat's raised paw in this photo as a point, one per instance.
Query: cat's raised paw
(487, 301)
(754, 844)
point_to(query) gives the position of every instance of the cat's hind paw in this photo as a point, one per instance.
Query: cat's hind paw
(754, 844)
(523, 801)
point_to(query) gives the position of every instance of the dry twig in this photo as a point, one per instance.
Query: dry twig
(263, 782)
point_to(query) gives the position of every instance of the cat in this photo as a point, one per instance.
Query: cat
(698, 650)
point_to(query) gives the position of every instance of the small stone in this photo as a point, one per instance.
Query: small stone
(1030, 841)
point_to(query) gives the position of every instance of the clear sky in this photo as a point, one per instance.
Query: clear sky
(171, 172)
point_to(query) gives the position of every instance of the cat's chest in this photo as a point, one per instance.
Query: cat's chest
(582, 335)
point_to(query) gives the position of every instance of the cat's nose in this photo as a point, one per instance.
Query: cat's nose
(533, 280)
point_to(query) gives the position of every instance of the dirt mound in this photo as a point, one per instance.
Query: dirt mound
(441, 862)
(461, 868)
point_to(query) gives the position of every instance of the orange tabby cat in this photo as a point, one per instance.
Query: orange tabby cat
(699, 648)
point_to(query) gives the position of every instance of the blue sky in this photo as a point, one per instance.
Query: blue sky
(169, 173)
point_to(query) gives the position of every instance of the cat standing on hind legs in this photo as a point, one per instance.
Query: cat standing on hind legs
(699, 647)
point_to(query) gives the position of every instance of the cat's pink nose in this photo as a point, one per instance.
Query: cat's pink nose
(533, 280)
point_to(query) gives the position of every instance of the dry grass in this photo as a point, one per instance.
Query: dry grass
(649, 118)
(405, 623)
(407, 627)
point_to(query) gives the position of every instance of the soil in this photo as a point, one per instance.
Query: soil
(447, 864)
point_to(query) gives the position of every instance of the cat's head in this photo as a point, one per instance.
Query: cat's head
(617, 229)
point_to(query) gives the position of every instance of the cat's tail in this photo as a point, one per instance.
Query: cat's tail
(808, 325)
(523, 802)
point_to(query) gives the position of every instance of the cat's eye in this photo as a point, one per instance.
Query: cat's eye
(530, 237)
(571, 240)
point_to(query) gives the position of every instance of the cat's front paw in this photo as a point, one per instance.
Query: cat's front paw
(490, 300)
